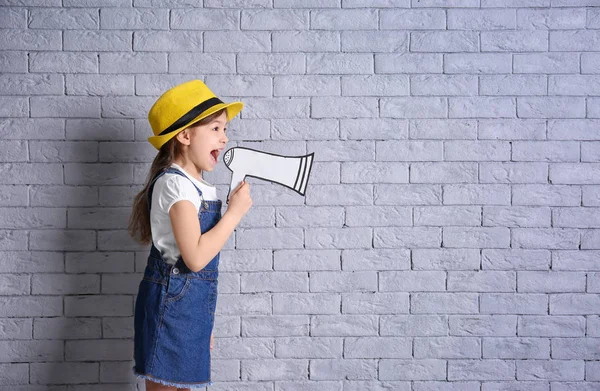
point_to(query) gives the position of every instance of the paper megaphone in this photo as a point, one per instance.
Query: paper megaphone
(289, 171)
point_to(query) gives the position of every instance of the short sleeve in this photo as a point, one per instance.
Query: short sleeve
(177, 188)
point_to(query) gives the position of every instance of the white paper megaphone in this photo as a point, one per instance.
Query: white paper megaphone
(289, 171)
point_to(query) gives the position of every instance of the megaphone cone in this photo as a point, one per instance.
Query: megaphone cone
(289, 171)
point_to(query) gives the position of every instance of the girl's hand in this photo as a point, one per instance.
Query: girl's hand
(239, 200)
(212, 341)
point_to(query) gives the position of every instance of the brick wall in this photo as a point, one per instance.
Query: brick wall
(449, 238)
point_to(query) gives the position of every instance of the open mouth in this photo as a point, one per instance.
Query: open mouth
(214, 155)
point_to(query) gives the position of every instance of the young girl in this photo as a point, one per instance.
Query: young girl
(179, 213)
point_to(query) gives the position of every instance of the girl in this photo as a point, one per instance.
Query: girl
(179, 213)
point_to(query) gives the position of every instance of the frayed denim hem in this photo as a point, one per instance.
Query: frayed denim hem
(172, 384)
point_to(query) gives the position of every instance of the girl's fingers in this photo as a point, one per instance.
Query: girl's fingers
(237, 188)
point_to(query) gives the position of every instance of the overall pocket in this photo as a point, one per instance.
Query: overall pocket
(177, 286)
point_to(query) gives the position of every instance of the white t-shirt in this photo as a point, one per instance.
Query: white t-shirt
(168, 189)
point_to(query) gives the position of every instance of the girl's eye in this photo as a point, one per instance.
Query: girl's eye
(225, 129)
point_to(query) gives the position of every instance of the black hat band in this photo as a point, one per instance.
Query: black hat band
(190, 115)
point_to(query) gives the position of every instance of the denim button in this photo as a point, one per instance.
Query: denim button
(175, 270)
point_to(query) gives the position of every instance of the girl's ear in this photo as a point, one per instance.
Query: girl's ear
(184, 137)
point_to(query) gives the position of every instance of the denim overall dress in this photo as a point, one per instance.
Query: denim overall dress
(175, 312)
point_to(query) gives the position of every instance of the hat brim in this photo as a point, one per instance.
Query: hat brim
(233, 109)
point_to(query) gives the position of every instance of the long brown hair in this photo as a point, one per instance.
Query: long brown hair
(139, 221)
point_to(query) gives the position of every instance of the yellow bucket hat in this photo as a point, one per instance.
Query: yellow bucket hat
(182, 106)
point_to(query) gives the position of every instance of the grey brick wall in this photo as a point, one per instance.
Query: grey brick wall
(450, 234)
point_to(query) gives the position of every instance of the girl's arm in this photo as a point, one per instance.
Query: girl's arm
(199, 249)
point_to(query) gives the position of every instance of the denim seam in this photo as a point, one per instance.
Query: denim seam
(163, 305)
(155, 338)
(154, 280)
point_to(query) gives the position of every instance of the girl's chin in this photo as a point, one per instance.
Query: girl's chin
(211, 165)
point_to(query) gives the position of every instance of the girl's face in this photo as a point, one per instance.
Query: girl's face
(205, 142)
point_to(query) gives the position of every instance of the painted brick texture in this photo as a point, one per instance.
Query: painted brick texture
(449, 238)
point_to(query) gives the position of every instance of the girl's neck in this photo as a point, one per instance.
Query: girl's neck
(190, 168)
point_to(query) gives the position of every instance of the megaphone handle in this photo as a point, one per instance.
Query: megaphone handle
(236, 179)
